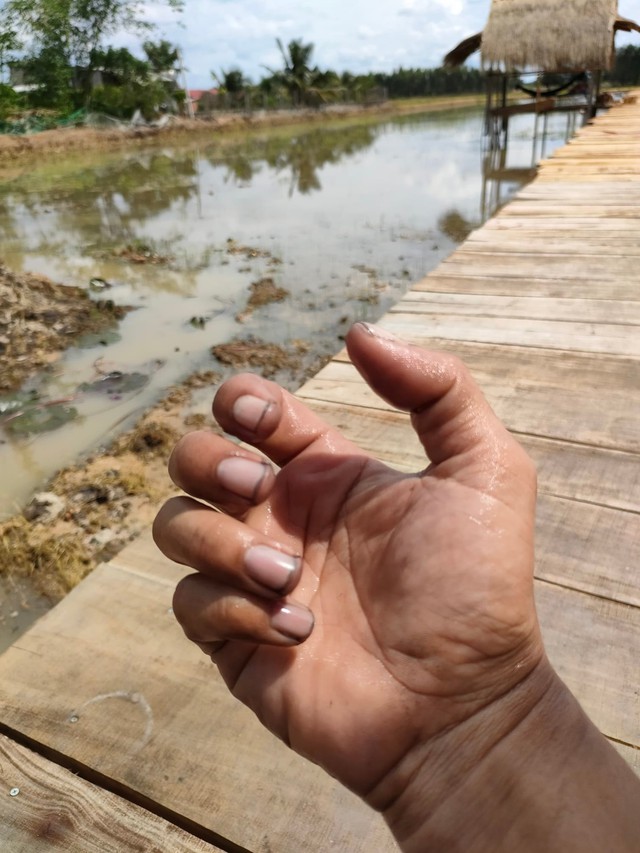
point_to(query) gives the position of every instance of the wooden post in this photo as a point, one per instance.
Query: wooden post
(597, 84)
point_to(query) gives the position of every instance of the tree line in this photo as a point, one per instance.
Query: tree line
(60, 49)
(626, 70)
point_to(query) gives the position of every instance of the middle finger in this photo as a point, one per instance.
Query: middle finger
(225, 549)
(213, 469)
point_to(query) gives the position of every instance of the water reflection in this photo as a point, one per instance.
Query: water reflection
(456, 226)
(301, 157)
(353, 214)
(510, 161)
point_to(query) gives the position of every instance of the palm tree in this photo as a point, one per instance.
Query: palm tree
(231, 83)
(297, 77)
(162, 55)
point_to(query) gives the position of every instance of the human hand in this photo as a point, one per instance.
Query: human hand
(420, 585)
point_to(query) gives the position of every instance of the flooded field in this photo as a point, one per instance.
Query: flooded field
(286, 237)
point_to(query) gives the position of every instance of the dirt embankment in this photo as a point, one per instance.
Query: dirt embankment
(14, 149)
(89, 511)
(40, 319)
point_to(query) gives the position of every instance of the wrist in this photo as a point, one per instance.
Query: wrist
(436, 798)
(529, 773)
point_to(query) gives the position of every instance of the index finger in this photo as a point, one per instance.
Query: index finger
(278, 424)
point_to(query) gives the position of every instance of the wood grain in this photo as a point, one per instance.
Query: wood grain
(55, 809)
(559, 395)
(108, 680)
(542, 303)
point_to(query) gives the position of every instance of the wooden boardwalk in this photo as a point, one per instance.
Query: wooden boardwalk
(135, 744)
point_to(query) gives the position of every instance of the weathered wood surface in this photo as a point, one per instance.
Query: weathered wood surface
(574, 397)
(543, 304)
(108, 680)
(44, 807)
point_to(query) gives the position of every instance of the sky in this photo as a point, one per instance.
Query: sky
(349, 35)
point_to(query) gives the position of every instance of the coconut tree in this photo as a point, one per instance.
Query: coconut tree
(162, 55)
(232, 83)
(298, 77)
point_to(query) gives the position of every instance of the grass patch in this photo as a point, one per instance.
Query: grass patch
(54, 563)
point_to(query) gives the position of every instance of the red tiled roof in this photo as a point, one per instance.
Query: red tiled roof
(196, 94)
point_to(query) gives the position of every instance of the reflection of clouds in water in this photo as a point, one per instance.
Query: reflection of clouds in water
(451, 184)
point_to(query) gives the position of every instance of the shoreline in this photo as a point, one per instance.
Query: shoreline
(87, 512)
(19, 150)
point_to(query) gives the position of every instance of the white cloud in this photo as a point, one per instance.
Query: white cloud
(354, 35)
(360, 36)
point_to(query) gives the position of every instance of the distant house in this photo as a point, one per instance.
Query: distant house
(20, 82)
(202, 100)
(18, 79)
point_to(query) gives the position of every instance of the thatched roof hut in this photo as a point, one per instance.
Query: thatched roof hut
(546, 35)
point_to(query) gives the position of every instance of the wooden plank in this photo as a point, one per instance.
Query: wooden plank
(590, 210)
(546, 333)
(555, 223)
(592, 151)
(534, 240)
(538, 265)
(593, 644)
(107, 679)
(444, 282)
(56, 809)
(625, 178)
(619, 312)
(606, 478)
(592, 172)
(588, 548)
(569, 191)
(548, 393)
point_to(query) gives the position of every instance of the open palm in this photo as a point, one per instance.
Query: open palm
(402, 605)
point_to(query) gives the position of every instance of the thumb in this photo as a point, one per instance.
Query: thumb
(448, 410)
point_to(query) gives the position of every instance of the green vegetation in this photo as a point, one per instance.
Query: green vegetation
(60, 49)
(626, 71)
(299, 83)
(10, 101)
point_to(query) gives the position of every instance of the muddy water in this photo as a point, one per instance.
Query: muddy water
(344, 218)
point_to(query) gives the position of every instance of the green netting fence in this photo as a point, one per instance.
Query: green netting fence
(35, 123)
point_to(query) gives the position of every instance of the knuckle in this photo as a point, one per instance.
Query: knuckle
(231, 614)
(161, 522)
(191, 446)
(180, 602)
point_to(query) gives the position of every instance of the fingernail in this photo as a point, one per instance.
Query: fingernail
(242, 476)
(249, 411)
(294, 621)
(377, 332)
(269, 567)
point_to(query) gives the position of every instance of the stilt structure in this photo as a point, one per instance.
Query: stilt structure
(573, 40)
